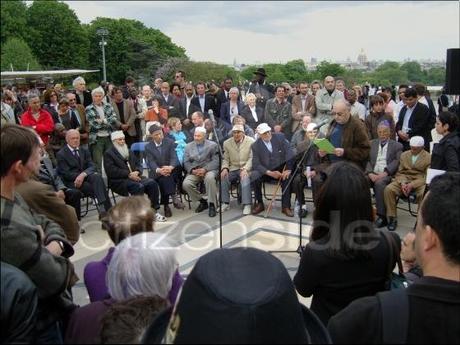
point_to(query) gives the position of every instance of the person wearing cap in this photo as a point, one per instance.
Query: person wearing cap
(278, 112)
(252, 303)
(164, 167)
(324, 99)
(201, 162)
(236, 166)
(376, 116)
(382, 166)
(260, 88)
(271, 160)
(411, 177)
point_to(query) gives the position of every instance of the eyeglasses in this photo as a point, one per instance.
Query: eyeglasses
(72, 100)
(333, 113)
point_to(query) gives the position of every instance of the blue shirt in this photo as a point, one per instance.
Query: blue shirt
(269, 146)
(407, 116)
(336, 140)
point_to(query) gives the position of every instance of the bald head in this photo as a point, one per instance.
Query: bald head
(329, 83)
(341, 111)
(72, 138)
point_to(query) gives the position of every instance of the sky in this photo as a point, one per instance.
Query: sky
(257, 32)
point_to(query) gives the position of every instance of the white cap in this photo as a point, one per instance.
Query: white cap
(200, 130)
(311, 126)
(417, 141)
(238, 128)
(117, 135)
(262, 128)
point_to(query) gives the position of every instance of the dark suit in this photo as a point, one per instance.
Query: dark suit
(209, 103)
(264, 160)
(394, 151)
(250, 121)
(117, 170)
(419, 124)
(225, 111)
(159, 157)
(185, 113)
(69, 167)
(87, 98)
(172, 105)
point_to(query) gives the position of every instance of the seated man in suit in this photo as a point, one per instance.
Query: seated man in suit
(411, 176)
(236, 166)
(382, 166)
(124, 173)
(77, 170)
(271, 160)
(164, 167)
(201, 163)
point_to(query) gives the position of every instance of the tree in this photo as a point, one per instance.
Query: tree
(436, 76)
(13, 18)
(17, 54)
(56, 36)
(132, 49)
(295, 71)
(325, 69)
(414, 71)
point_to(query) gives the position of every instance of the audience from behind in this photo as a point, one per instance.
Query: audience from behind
(446, 153)
(427, 312)
(220, 305)
(346, 257)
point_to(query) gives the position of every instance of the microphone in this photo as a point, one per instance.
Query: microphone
(211, 116)
(325, 122)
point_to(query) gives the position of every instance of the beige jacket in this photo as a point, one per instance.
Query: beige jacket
(415, 174)
(235, 157)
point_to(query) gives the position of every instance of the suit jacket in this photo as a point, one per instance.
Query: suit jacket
(247, 114)
(84, 125)
(156, 159)
(172, 105)
(69, 166)
(129, 115)
(208, 159)
(238, 157)
(394, 151)
(209, 103)
(185, 113)
(263, 159)
(310, 107)
(419, 124)
(87, 98)
(117, 170)
(48, 175)
(225, 111)
(415, 174)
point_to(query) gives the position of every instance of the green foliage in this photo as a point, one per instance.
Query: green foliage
(16, 53)
(13, 20)
(325, 68)
(414, 71)
(132, 49)
(56, 36)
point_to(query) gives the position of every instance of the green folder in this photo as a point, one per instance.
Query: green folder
(325, 145)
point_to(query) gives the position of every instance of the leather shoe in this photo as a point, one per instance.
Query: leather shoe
(392, 224)
(203, 206)
(212, 210)
(288, 212)
(381, 222)
(259, 207)
(168, 213)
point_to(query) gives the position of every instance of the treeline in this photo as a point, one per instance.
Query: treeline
(49, 35)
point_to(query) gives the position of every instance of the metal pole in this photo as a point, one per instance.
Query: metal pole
(103, 58)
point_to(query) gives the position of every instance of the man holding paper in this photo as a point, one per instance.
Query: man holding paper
(346, 138)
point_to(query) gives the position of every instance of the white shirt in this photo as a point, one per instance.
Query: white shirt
(254, 114)
(358, 110)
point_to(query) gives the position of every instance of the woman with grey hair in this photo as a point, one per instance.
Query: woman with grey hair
(252, 113)
(142, 265)
(232, 107)
(83, 96)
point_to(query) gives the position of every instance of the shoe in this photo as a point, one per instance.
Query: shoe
(168, 213)
(177, 202)
(203, 206)
(159, 218)
(392, 224)
(303, 213)
(82, 231)
(212, 210)
(247, 210)
(381, 222)
(259, 207)
(288, 212)
(225, 207)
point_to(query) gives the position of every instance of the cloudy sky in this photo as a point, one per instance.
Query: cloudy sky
(279, 31)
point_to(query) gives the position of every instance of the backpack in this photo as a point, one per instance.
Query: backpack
(394, 306)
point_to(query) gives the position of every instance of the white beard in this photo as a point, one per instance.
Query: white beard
(122, 150)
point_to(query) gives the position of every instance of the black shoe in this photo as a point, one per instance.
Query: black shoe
(392, 224)
(212, 210)
(203, 206)
(303, 212)
(168, 213)
(381, 222)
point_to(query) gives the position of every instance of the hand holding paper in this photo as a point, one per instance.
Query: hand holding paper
(324, 145)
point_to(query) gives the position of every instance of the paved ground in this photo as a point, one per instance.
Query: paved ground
(196, 234)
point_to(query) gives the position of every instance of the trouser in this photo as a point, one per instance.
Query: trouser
(190, 186)
(94, 187)
(232, 177)
(379, 189)
(392, 191)
(147, 186)
(73, 198)
(98, 149)
(258, 179)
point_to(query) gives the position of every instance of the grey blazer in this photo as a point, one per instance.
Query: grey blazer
(393, 153)
(208, 159)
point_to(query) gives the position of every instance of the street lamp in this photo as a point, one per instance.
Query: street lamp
(103, 32)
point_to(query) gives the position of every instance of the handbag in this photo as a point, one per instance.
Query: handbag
(394, 280)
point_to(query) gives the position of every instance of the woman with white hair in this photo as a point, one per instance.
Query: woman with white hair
(142, 265)
(232, 107)
(83, 95)
(253, 114)
(102, 121)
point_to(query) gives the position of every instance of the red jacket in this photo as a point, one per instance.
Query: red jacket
(44, 126)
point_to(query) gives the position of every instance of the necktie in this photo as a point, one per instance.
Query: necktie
(76, 153)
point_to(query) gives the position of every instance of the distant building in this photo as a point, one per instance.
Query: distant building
(362, 58)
